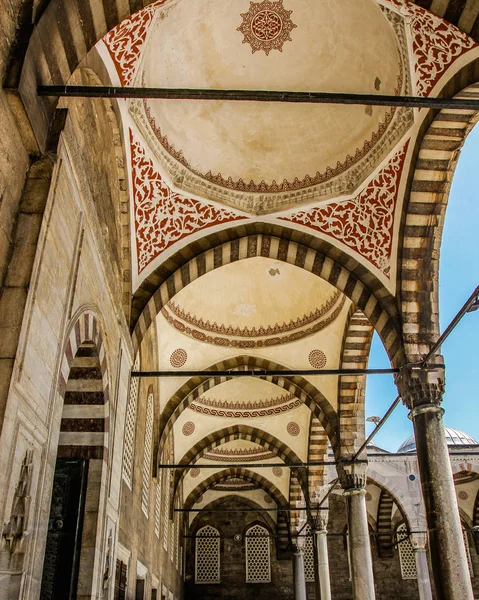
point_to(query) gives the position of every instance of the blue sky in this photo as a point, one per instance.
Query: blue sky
(459, 275)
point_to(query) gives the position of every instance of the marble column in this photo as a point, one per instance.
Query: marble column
(360, 556)
(321, 563)
(298, 574)
(419, 544)
(421, 390)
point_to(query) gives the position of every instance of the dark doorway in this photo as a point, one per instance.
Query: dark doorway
(62, 552)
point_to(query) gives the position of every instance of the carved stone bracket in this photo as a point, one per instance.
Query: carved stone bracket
(421, 387)
(418, 541)
(352, 477)
(14, 532)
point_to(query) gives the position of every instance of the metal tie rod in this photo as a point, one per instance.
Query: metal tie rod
(239, 510)
(266, 373)
(87, 91)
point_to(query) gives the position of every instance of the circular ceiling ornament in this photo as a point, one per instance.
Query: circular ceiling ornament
(266, 26)
(178, 358)
(188, 428)
(268, 499)
(195, 472)
(293, 429)
(463, 495)
(368, 497)
(317, 359)
(277, 471)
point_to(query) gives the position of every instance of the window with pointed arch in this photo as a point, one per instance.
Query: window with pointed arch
(207, 555)
(407, 558)
(258, 555)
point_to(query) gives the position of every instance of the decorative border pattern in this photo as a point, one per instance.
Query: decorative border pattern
(436, 44)
(253, 332)
(278, 410)
(163, 217)
(273, 187)
(365, 223)
(125, 41)
(228, 405)
(251, 343)
(239, 455)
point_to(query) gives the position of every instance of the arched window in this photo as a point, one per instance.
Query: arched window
(258, 561)
(308, 555)
(406, 553)
(130, 426)
(207, 564)
(147, 455)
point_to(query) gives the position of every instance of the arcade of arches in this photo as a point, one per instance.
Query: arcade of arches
(141, 235)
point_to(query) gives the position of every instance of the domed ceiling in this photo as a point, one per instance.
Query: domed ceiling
(273, 303)
(245, 397)
(257, 156)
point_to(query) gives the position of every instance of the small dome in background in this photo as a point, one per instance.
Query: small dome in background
(454, 437)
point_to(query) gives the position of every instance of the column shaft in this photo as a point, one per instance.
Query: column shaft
(359, 545)
(448, 555)
(298, 574)
(321, 561)
(423, 582)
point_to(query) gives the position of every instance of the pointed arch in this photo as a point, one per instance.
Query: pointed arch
(437, 155)
(338, 269)
(299, 386)
(244, 432)
(237, 473)
(247, 502)
(357, 339)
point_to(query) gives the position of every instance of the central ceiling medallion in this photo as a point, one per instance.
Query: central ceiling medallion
(266, 26)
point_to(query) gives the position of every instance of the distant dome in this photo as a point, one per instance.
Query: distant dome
(454, 437)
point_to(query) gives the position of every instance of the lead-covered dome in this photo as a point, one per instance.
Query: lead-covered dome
(454, 437)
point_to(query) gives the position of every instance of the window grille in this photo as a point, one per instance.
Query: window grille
(177, 536)
(166, 514)
(406, 553)
(130, 426)
(468, 552)
(258, 563)
(172, 539)
(308, 555)
(158, 505)
(146, 475)
(207, 564)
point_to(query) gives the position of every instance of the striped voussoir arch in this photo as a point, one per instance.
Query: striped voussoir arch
(318, 451)
(67, 29)
(296, 500)
(475, 522)
(284, 250)
(299, 386)
(384, 525)
(244, 432)
(411, 509)
(84, 387)
(236, 473)
(419, 270)
(351, 388)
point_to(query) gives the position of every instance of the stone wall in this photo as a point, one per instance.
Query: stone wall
(233, 562)
(137, 530)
